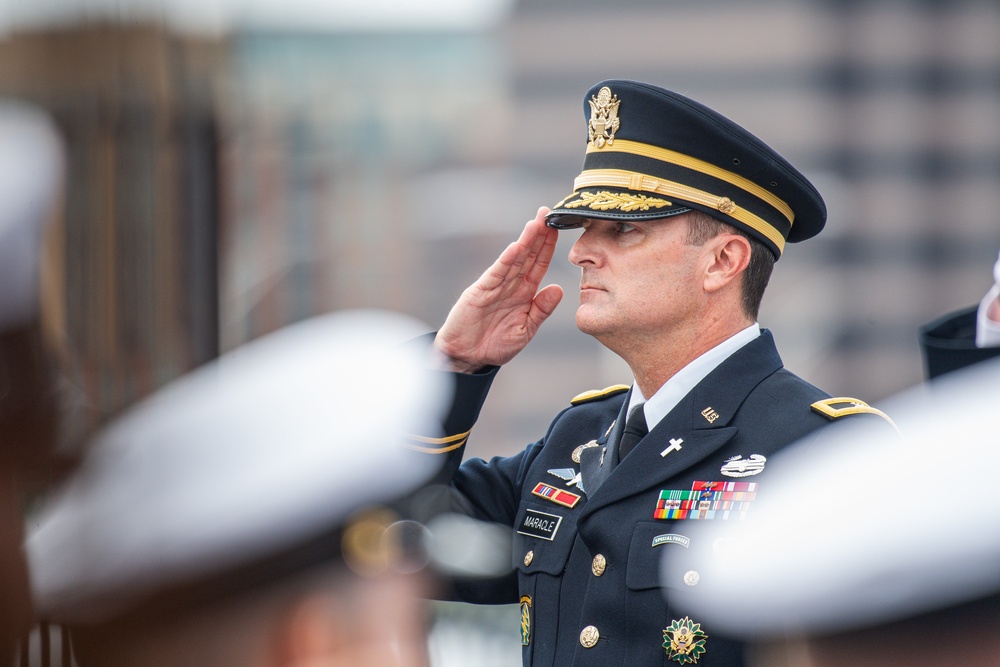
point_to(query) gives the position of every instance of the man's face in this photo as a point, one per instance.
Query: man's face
(639, 280)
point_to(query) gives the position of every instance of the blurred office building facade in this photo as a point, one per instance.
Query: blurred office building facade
(225, 182)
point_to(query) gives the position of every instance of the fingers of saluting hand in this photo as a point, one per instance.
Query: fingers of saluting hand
(499, 314)
(527, 259)
(538, 243)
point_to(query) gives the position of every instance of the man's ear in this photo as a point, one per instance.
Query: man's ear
(728, 255)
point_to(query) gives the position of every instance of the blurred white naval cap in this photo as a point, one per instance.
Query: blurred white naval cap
(31, 173)
(857, 529)
(273, 444)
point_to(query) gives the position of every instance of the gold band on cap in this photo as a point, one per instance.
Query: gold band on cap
(620, 178)
(693, 163)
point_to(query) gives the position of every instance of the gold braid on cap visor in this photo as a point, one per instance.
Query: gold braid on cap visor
(632, 180)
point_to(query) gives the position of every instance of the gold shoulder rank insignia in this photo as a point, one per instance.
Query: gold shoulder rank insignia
(595, 394)
(835, 408)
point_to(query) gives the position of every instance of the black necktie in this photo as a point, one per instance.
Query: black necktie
(635, 430)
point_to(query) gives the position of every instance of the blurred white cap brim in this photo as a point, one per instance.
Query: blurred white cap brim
(277, 440)
(31, 166)
(858, 528)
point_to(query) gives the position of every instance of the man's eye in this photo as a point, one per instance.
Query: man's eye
(624, 227)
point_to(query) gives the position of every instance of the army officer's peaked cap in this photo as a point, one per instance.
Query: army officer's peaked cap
(652, 153)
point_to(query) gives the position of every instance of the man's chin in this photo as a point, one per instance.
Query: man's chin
(589, 324)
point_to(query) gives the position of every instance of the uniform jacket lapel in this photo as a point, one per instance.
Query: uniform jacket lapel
(702, 421)
(596, 462)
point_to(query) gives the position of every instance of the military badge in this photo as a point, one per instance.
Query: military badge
(684, 641)
(707, 500)
(525, 620)
(558, 496)
(672, 538)
(835, 408)
(570, 476)
(737, 466)
(604, 120)
(576, 452)
(676, 445)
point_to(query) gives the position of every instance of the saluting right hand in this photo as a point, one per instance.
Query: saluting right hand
(500, 313)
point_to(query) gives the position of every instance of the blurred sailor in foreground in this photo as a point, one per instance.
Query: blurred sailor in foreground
(242, 515)
(868, 550)
(31, 164)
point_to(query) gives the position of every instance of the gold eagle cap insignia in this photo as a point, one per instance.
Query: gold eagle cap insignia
(604, 120)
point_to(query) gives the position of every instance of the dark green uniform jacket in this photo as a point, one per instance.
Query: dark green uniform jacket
(587, 560)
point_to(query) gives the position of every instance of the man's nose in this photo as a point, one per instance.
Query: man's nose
(583, 251)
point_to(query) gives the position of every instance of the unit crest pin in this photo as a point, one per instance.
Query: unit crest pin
(684, 641)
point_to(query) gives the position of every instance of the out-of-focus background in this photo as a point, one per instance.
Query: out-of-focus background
(237, 165)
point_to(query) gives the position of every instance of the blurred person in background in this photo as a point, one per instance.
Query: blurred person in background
(683, 215)
(867, 550)
(244, 514)
(964, 337)
(31, 393)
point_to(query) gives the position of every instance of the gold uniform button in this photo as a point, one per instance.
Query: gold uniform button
(589, 636)
(528, 557)
(599, 565)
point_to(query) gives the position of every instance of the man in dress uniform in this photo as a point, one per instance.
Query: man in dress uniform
(964, 337)
(866, 550)
(243, 516)
(683, 214)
